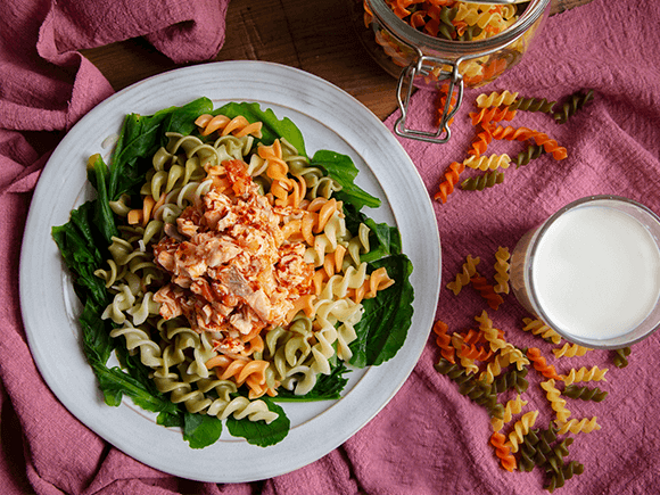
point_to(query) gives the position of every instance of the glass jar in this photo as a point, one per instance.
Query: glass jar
(428, 61)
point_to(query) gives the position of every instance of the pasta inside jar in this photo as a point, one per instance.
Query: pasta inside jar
(448, 44)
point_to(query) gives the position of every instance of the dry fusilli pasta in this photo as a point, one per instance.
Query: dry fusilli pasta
(468, 270)
(584, 375)
(502, 266)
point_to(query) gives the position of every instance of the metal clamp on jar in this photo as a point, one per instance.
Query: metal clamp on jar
(447, 58)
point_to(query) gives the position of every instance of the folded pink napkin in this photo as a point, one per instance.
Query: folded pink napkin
(429, 439)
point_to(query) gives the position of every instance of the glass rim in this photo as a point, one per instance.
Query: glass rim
(612, 343)
(403, 31)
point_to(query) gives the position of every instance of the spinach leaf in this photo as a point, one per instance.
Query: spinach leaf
(384, 239)
(328, 387)
(201, 430)
(132, 364)
(116, 383)
(97, 343)
(342, 169)
(387, 317)
(171, 419)
(77, 242)
(258, 432)
(141, 136)
(103, 216)
(182, 119)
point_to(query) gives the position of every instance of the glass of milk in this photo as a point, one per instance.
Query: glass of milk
(592, 272)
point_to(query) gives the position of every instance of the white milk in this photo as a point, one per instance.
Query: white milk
(597, 272)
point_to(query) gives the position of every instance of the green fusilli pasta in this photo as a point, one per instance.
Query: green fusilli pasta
(481, 182)
(585, 393)
(559, 477)
(532, 152)
(620, 358)
(575, 102)
(533, 105)
(512, 379)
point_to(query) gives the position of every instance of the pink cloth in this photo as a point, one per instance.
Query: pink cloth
(429, 439)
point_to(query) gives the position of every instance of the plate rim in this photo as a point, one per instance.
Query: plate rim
(239, 66)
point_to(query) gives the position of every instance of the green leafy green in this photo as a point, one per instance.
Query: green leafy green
(384, 239)
(171, 419)
(342, 169)
(103, 217)
(141, 136)
(77, 241)
(96, 333)
(132, 364)
(115, 383)
(328, 387)
(387, 317)
(201, 430)
(258, 432)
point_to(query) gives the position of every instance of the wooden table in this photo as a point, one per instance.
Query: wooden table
(315, 36)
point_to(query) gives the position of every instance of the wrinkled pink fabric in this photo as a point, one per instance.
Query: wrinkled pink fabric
(429, 439)
(613, 147)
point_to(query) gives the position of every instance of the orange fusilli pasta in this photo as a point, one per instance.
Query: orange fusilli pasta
(451, 177)
(540, 365)
(503, 452)
(444, 341)
(486, 291)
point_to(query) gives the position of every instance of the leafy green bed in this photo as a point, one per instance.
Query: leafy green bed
(83, 244)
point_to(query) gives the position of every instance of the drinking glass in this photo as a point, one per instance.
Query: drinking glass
(591, 272)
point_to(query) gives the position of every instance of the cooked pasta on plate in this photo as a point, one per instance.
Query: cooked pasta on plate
(227, 271)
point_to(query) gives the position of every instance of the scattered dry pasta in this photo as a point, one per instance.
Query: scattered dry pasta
(571, 350)
(495, 99)
(540, 365)
(513, 406)
(494, 368)
(487, 291)
(532, 105)
(502, 266)
(447, 186)
(557, 403)
(488, 115)
(538, 327)
(492, 162)
(497, 107)
(503, 451)
(584, 392)
(483, 181)
(488, 365)
(468, 270)
(576, 426)
(444, 341)
(584, 375)
(570, 107)
(520, 429)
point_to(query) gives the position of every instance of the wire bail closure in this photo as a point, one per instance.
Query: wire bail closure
(422, 67)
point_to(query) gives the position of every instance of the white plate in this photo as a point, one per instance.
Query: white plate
(329, 119)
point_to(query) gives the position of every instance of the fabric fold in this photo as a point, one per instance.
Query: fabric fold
(46, 85)
(430, 438)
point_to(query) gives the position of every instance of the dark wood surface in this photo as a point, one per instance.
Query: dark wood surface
(315, 36)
